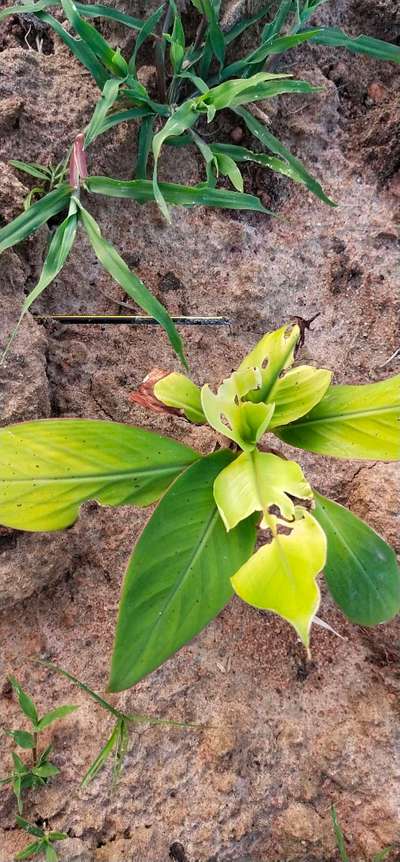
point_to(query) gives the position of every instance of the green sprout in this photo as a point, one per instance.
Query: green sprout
(43, 844)
(116, 745)
(37, 773)
(198, 77)
(198, 548)
(341, 844)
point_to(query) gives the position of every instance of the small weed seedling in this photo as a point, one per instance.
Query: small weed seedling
(341, 844)
(40, 769)
(198, 76)
(42, 845)
(51, 177)
(198, 546)
(117, 743)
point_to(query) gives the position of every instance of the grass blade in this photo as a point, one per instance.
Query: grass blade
(79, 48)
(376, 48)
(241, 154)
(244, 24)
(112, 60)
(102, 757)
(123, 117)
(59, 249)
(177, 195)
(38, 214)
(108, 97)
(132, 284)
(97, 10)
(145, 139)
(146, 30)
(275, 146)
(339, 836)
(33, 170)
(276, 46)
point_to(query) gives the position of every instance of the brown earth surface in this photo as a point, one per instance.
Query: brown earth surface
(280, 740)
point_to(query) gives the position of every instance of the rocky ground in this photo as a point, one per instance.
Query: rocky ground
(279, 741)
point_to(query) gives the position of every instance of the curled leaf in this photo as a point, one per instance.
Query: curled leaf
(259, 482)
(281, 575)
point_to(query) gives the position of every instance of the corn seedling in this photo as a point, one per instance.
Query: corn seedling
(341, 844)
(197, 78)
(116, 745)
(40, 769)
(44, 843)
(197, 549)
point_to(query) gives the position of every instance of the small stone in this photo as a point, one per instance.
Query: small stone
(237, 134)
(377, 93)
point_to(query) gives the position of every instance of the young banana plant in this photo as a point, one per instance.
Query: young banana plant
(198, 547)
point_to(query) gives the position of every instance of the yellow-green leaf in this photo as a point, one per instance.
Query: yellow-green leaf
(273, 353)
(49, 468)
(357, 422)
(257, 481)
(245, 422)
(297, 392)
(177, 390)
(281, 575)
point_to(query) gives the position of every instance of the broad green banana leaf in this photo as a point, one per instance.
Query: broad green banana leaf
(178, 578)
(50, 467)
(356, 422)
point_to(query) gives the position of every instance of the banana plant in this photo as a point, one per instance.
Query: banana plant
(198, 548)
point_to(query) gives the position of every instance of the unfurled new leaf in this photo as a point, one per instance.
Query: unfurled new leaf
(230, 414)
(273, 354)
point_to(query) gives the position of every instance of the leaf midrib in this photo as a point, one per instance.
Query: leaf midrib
(159, 471)
(342, 417)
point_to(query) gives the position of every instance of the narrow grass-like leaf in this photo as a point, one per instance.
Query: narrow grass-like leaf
(55, 715)
(124, 117)
(132, 284)
(278, 45)
(376, 48)
(30, 828)
(27, 706)
(181, 120)
(245, 23)
(275, 146)
(110, 58)
(81, 50)
(178, 577)
(108, 97)
(50, 853)
(50, 467)
(361, 570)
(146, 29)
(102, 757)
(28, 8)
(145, 138)
(98, 10)
(143, 191)
(241, 154)
(59, 249)
(41, 173)
(339, 836)
(38, 214)
(30, 850)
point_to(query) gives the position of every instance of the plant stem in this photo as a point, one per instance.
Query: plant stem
(35, 749)
(159, 59)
